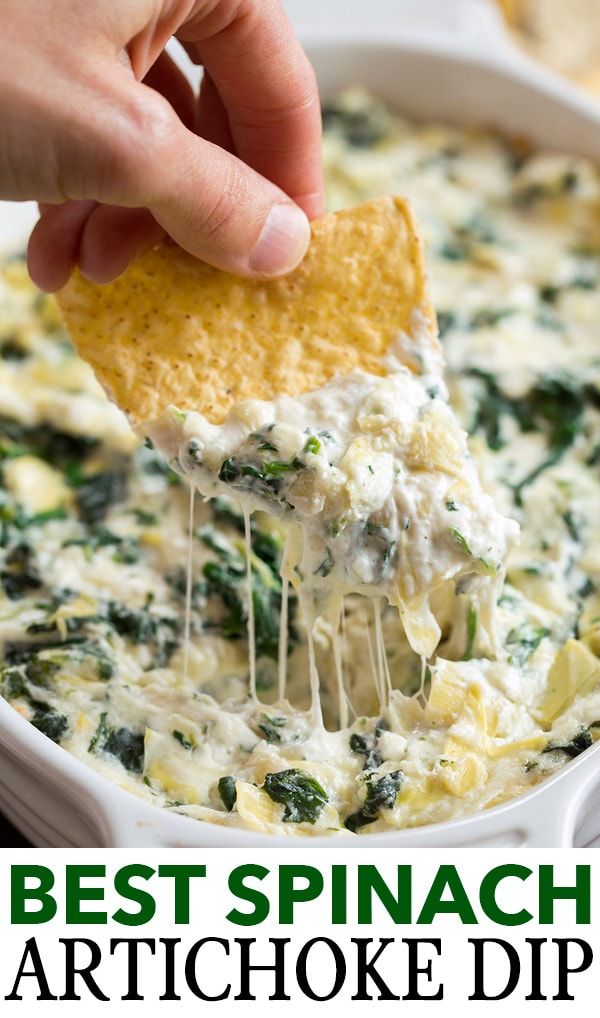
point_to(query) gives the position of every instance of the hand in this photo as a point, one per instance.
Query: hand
(99, 126)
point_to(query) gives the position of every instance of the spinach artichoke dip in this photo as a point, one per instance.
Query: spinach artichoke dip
(475, 674)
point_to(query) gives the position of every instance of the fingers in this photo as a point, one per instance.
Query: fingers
(53, 249)
(218, 208)
(206, 199)
(122, 143)
(112, 238)
(212, 122)
(268, 89)
(102, 239)
(165, 77)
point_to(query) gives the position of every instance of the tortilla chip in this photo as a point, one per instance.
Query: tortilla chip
(512, 9)
(173, 330)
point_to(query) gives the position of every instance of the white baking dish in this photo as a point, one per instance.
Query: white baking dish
(447, 59)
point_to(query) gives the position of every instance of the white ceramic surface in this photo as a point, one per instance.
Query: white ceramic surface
(448, 59)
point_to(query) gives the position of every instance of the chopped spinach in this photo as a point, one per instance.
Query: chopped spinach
(263, 443)
(572, 524)
(96, 494)
(581, 741)
(50, 722)
(471, 633)
(20, 573)
(126, 549)
(225, 512)
(183, 740)
(263, 479)
(528, 195)
(227, 791)
(226, 580)
(491, 407)
(47, 443)
(300, 793)
(361, 128)
(487, 318)
(151, 462)
(554, 405)
(446, 321)
(126, 746)
(143, 626)
(366, 745)
(549, 293)
(269, 726)
(145, 518)
(381, 794)
(12, 350)
(312, 445)
(523, 641)
(460, 540)
(326, 565)
(213, 540)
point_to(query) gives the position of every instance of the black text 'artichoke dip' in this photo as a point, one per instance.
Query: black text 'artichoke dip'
(487, 687)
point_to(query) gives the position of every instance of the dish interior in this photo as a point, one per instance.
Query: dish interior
(95, 536)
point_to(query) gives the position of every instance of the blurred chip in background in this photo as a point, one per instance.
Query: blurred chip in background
(565, 34)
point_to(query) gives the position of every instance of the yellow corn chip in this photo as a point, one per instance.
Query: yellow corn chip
(173, 330)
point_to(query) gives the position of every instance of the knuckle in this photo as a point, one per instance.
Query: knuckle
(229, 200)
(140, 138)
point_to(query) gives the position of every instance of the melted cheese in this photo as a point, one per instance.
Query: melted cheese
(376, 475)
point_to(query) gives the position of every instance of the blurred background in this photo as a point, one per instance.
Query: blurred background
(564, 34)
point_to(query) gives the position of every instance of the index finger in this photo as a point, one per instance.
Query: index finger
(268, 89)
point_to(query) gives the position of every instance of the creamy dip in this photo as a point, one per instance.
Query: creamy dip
(94, 535)
(374, 478)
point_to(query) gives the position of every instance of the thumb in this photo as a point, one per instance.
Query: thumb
(210, 202)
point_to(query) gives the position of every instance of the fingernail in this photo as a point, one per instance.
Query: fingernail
(283, 242)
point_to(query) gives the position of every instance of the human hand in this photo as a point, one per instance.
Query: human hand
(98, 124)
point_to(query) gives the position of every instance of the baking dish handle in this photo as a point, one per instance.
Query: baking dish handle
(462, 24)
(553, 817)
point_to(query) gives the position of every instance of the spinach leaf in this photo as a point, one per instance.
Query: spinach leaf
(226, 580)
(98, 493)
(524, 640)
(183, 740)
(12, 350)
(360, 128)
(151, 462)
(313, 445)
(300, 793)
(581, 741)
(24, 665)
(224, 511)
(381, 794)
(127, 549)
(270, 725)
(55, 447)
(554, 405)
(471, 633)
(446, 321)
(126, 746)
(159, 632)
(19, 573)
(227, 791)
(263, 479)
(487, 318)
(50, 722)
(366, 745)
(145, 518)
(326, 565)
(462, 543)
